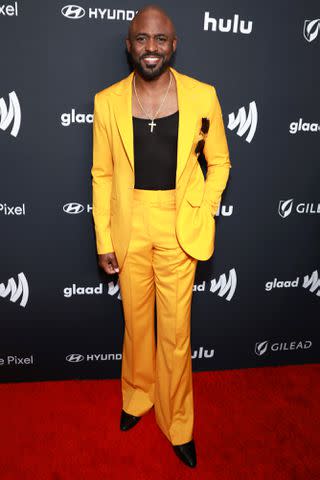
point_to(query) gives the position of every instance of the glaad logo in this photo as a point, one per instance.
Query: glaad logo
(113, 289)
(9, 10)
(13, 360)
(92, 357)
(68, 118)
(302, 126)
(310, 282)
(16, 291)
(311, 29)
(202, 353)
(6, 210)
(245, 122)
(73, 208)
(224, 288)
(75, 12)
(13, 115)
(286, 206)
(262, 347)
(223, 25)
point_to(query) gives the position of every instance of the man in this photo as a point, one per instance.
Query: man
(154, 218)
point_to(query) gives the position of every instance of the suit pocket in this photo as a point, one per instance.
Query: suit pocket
(194, 197)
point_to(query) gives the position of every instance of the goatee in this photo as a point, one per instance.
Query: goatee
(150, 73)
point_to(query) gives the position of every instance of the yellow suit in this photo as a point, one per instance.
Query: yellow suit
(158, 237)
(113, 167)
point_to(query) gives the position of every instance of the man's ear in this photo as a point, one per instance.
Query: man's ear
(128, 44)
(174, 43)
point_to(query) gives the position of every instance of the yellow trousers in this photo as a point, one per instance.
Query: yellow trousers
(157, 369)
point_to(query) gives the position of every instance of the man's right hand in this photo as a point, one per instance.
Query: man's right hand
(108, 263)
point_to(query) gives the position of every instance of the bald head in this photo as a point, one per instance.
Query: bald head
(151, 13)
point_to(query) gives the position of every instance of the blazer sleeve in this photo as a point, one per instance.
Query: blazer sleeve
(216, 153)
(102, 172)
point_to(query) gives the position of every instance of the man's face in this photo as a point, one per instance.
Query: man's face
(151, 44)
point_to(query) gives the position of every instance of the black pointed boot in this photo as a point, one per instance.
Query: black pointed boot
(128, 421)
(187, 453)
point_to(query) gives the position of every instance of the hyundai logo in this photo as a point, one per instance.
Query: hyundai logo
(73, 208)
(73, 12)
(75, 358)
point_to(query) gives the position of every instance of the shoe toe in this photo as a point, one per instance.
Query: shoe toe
(128, 421)
(187, 453)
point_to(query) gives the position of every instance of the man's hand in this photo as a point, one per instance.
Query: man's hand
(108, 262)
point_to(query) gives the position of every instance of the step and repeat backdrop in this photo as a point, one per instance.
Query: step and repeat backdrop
(256, 301)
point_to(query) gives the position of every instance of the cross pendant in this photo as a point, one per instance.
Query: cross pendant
(152, 124)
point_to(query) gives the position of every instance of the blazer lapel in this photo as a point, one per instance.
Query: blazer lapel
(187, 118)
(123, 114)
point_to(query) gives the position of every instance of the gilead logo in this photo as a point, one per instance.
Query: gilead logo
(285, 208)
(311, 29)
(262, 347)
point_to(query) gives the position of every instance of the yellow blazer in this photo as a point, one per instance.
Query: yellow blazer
(197, 199)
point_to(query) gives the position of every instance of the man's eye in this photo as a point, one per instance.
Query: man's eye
(162, 39)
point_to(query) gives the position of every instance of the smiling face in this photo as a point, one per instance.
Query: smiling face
(151, 42)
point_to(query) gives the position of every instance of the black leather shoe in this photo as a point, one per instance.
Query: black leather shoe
(187, 453)
(128, 421)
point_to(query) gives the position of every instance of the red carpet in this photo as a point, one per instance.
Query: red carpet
(250, 424)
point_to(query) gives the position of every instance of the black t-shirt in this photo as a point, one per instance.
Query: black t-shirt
(155, 153)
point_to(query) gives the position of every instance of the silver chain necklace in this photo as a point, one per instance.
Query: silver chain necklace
(150, 117)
